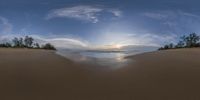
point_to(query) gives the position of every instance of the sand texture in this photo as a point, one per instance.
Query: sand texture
(43, 75)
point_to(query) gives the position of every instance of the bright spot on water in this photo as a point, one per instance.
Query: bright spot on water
(110, 59)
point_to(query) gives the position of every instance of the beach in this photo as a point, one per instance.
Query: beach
(29, 74)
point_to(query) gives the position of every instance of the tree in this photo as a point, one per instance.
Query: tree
(21, 44)
(191, 40)
(161, 48)
(171, 45)
(180, 44)
(16, 42)
(5, 45)
(28, 41)
(166, 47)
(8, 45)
(37, 46)
(48, 46)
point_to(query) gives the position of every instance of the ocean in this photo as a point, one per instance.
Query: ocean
(101, 58)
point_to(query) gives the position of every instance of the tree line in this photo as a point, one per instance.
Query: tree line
(26, 42)
(189, 41)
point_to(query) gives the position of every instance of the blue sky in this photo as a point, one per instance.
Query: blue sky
(100, 23)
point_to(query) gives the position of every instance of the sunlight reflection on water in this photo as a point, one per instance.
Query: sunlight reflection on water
(107, 59)
(110, 59)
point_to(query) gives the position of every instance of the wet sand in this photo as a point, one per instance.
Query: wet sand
(43, 75)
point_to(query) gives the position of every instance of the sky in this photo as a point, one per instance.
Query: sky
(99, 23)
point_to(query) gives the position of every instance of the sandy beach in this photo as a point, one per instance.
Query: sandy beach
(43, 75)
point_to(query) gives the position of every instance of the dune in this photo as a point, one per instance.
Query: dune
(27, 74)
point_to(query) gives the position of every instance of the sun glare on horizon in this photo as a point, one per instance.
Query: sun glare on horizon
(117, 46)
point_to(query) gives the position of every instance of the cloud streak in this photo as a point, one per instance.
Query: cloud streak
(62, 43)
(116, 12)
(177, 22)
(5, 26)
(135, 38)
(83, 13)
(155, 15)
(162, 15)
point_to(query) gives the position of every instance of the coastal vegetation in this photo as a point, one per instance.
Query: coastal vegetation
(190, 41)
(26, 42)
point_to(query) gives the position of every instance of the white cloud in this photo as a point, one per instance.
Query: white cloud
(135, 38)
(190, 15)
(159, 15)
(5, 26)
(64, 42)
(156, 40)
(155, 15)
(116, 12)
(85, 13)
(175, 21)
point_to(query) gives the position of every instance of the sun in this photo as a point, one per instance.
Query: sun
(117, 46)
(113, 46)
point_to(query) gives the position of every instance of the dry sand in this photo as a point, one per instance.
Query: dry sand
(43, 75)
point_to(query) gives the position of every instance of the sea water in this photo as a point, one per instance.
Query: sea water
(114, 59)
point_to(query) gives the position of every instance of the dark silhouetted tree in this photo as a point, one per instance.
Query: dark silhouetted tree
(28, 41)
(48, 46)
(166, 47)
(21, 44)
(180, 44)
(6, 45)
(36, 45)
(171, 46)
(191, 40)
(16, 42)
